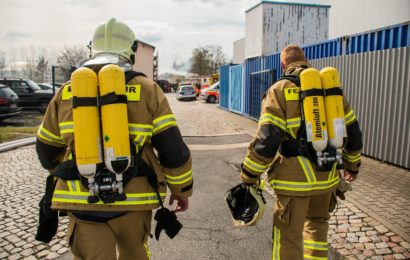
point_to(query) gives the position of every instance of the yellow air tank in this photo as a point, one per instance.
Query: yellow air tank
(114, 118)
(314, 109)
(86, 121)
(335, 116)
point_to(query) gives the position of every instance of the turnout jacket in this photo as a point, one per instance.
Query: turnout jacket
(152, 126)
(280, 121)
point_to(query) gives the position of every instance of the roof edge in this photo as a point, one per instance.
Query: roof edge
(286, 3)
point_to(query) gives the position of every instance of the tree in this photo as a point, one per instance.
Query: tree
(69, 58)
(207, 60)
(41, 69)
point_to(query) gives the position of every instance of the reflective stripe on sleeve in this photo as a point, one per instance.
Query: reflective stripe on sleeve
(44, 134)
(350, 117)
(274, 120)
(140, 129)
(164, 121)
(254, 166)
(352, 158)
(180, 179)
(66, 127)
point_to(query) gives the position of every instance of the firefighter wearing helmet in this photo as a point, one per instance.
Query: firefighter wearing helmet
(306, 119)
(97, 140)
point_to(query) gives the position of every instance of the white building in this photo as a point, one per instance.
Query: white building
(271, 25)
(144, 59)
(348, 17)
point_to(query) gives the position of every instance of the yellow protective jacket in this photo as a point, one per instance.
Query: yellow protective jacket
(151, 124)
(280, 120)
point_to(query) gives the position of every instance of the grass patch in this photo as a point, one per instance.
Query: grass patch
(9, 133)
(4, 137)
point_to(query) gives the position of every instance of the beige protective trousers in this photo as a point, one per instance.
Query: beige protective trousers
(300, 225)
(128, 234)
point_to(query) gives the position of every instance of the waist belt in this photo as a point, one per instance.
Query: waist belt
(68, 171)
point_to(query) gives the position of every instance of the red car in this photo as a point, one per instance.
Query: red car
(211, 94)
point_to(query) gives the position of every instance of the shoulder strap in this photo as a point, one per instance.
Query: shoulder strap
(131, 74)
(294, 78)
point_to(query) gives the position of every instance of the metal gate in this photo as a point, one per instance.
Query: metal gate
(260, 82)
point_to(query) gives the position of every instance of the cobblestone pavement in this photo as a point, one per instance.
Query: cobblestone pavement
(373, 223)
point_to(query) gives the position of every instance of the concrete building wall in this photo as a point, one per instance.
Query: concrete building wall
(353, 16)
(253, 32)
(284, 24)
(144, 59)
(238, 51)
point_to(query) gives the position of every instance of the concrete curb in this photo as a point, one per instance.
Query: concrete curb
(16, 144)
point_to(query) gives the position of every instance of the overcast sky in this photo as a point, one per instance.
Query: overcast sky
(175, 27)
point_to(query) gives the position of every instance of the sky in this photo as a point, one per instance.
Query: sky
(175, 27)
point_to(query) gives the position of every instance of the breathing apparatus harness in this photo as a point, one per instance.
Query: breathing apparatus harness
(300, 146)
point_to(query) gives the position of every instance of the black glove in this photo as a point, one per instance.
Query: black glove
(167, 220)
(48, 223)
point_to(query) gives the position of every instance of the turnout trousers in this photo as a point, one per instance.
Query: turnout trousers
(300, 225)
(94, 240)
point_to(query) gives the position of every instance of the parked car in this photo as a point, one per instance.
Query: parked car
(29, 93)
(186, 92)
(46, 86)
(9, 106)
(211, 94)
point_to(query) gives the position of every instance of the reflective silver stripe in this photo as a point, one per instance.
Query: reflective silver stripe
(349, 117)
(352, 158)
(315, 246)
(276, 244)
(163, 121)
(66, 128)
(303, 186)
(122, 37)
(293, 122)
(310, 176)
(44, 133)
(140, 128)
(255, 166)
(83, 198)
(72, 185)
(267, 117)
(185, 177)
(140, 139)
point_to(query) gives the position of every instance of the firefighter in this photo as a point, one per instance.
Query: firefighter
(305, 192)
(102, 219)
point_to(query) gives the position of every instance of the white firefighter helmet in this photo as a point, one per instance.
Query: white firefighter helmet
(114, 37)
(246, 204)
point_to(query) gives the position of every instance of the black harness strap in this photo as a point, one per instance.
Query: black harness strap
(131, 74)
(112, 98)
(333, 92)
(310, 93)
(84, 102)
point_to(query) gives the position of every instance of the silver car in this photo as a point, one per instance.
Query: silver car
(186, 92)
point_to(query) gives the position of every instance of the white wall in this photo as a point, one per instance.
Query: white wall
(285, 24)
(238, 51)
(355, 16)
(253, 32)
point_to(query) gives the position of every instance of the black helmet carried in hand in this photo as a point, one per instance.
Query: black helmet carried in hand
(246, 204)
